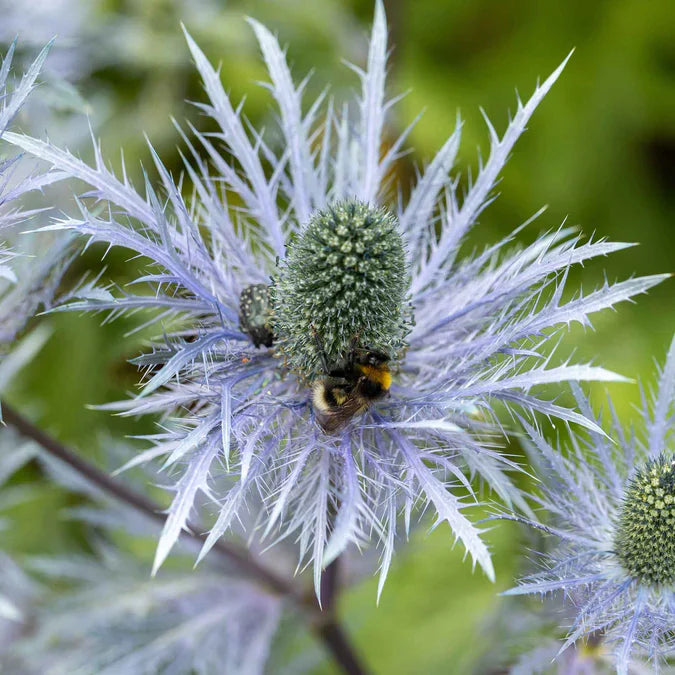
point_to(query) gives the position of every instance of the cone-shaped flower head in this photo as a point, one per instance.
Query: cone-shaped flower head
(645, 533)
(313, 215)
(613, 516)
(343, 283)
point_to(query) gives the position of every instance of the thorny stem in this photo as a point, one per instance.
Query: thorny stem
(324, 623)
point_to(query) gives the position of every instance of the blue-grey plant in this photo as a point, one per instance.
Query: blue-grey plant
(524, 640)
(589, 658)
(118, 620)
(27, 280)
(102, 613)
(472, 332)
(612, 507)
(9, 106)
(16, 589)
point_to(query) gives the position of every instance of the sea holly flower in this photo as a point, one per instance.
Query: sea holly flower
(589, 658)
(116, 619)
(24, 285)
(331, 361)
(612, 502)
(524, 633)
(10, 102)
(99, 611)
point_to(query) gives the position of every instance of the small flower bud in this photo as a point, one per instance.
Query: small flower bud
(255, 314)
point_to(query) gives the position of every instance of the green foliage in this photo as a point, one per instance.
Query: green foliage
(343, 285)
(644, 537)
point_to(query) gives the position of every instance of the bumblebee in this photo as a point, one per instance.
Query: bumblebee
(350, 388)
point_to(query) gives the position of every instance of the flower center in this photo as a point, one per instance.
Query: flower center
(645, 535)
(342, 287)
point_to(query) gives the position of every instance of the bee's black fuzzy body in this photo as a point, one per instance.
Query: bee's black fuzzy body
(349, 389)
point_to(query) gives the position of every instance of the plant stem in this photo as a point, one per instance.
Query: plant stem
(333, 636)
(330, 585)
(331, 631)
(324, 623)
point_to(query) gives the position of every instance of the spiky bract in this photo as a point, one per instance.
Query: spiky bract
(100, 612)
(645, 533)
(612, 559)
(28, 273)
(343, 283)
(241, 431)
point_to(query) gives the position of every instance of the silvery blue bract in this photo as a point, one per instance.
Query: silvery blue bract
(25, 282)
(612, 491)
(101, 612)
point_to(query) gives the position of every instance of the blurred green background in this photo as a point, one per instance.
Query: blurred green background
(600, 152)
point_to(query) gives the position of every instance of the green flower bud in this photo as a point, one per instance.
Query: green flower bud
(255, 314)
(645, 534)
(343, 285)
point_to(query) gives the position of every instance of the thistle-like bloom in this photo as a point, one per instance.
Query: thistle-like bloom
(9, 106)
(613, 507)
(118, 620)
(25, 282)
(102, 613)
(379, 329)
(525, 641)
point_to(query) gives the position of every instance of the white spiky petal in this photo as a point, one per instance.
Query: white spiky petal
(24, 285)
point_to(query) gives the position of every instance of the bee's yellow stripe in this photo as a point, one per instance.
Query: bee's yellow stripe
(377, 374)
